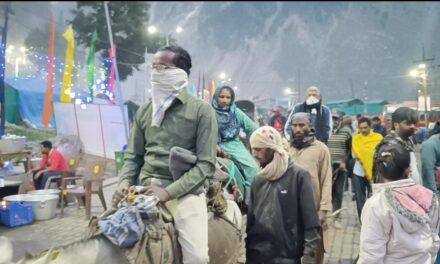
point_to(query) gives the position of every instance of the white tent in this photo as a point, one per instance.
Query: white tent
(99, 127)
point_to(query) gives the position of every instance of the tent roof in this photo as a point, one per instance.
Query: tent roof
(30, 85)
(384, 102)
(346, 101)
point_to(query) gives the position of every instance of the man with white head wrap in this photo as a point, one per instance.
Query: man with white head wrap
(282, 225)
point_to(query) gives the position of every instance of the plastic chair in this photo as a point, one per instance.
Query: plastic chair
(73, 163)
(92, 184)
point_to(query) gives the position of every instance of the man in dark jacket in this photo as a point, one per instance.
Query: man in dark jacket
(283, 224)
(277, 121)
(320, 115)
(378, 127)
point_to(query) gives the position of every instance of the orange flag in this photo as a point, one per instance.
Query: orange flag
(48, 101)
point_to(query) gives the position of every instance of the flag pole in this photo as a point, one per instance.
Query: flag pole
(119, 100)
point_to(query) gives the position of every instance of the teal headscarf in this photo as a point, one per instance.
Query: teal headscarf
(228, 123)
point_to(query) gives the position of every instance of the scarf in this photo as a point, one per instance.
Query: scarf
(303, 142)
(363, 148)
(166, 86)
(268, 137)
(228, 122)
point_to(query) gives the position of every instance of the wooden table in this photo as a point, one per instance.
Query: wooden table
(10, 188)
(24, 154)
(17, 181)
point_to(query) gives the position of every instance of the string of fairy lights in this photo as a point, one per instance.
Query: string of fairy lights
(26, 63)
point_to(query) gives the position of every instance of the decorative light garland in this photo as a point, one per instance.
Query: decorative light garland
(101, 84)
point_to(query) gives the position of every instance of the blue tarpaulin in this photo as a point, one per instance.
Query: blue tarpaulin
(31, 95)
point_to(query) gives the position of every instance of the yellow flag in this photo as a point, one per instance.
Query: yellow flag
(68, 65)
(213, 88)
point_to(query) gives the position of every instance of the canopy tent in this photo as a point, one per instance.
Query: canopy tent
(25, 99)
(11, 106)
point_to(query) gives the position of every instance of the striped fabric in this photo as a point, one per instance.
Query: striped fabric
(339, 145)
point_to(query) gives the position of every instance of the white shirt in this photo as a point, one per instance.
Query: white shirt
(415, 175)
(358, 169)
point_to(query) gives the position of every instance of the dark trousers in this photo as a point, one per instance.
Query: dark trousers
(338, 187)
(40, 183)
(361, 188)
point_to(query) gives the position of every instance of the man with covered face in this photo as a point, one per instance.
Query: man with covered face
(314, 157)
(404, 121)
(319, 114)
(173, 119)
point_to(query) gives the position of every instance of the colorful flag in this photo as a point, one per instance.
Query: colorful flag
(198, 87)
(48, 101)
(209, 91)
(203, 87)
(68, 65)
(105, 72)
(91, 64)
(194, 90)
(213, 88)
(2, 73)
(112, 71)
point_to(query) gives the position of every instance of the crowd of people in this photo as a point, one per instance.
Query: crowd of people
(295, 170)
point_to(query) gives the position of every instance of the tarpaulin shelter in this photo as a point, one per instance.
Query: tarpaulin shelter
(25, 99)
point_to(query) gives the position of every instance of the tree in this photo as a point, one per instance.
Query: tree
(38, 39)
(129, 22)
(3, 6)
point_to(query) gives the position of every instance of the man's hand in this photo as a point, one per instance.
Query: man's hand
(157, 191)
(31, 171)
(119, 195)
(322, 215)
(220, 152)
(38, 175)
(324, 219)
(343, 166)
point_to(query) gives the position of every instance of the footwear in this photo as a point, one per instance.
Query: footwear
(353, 198)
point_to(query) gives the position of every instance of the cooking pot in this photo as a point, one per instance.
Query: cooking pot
(43, 205)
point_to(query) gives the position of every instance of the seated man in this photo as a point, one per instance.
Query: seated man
(174, 118)
(53, 163)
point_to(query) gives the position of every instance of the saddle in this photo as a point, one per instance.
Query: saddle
(159, 243)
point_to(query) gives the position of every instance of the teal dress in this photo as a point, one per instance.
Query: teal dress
(237, 149)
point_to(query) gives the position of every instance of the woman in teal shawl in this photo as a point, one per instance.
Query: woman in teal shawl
(230, 120)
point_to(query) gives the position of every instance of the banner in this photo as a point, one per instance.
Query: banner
(2, 73)
(91, 64)
(48, 101)
(68, 65)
